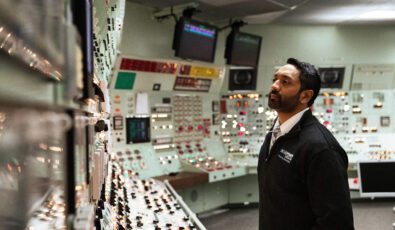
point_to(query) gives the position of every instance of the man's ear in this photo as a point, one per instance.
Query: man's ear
(306, 95)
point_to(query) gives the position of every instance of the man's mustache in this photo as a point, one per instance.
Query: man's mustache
(275, 93)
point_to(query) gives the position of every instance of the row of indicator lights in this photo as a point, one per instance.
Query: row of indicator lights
(148, 66)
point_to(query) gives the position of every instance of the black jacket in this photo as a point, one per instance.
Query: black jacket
(303, 182)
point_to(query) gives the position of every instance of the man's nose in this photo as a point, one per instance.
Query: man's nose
(275, 85)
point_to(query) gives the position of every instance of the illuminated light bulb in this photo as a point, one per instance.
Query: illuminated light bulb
(55, 148)
(346, 108)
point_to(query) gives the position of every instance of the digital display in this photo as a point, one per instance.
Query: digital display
(242, 78)
(377, 179)
(331, 78)
(195, 40)
(242, 49)
(137, 130)
(118, 122)
(192, 84)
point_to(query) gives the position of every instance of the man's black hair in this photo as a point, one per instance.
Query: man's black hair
(309, 77)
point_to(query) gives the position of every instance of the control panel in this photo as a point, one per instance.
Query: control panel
(243, 126)
(360, 121)
(128, 202)
(166, 119)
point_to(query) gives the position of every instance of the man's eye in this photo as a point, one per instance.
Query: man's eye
(284, 82)
(274, 80)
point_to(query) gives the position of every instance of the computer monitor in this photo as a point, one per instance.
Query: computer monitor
(137, 130)
(242, 49)
(331, 77)
(195, 40)
(377, 178)
(242, 78)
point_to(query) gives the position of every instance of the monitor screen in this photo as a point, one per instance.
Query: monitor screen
(242, 49)
(242, 78)
(137, 130)
(377, 178)
(332, 77)
(195, 40)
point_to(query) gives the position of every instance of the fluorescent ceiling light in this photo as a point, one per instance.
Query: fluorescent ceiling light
(377, 15)
(353, 13)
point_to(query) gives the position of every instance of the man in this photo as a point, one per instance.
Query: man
(302, 169)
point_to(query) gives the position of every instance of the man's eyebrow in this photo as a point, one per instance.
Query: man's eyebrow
(286, 76)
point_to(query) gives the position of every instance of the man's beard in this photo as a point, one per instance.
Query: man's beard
(283, 104)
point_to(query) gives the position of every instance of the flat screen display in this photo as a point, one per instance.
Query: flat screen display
(242, 49)
(195, 40)
(137, 130)
(377, 178)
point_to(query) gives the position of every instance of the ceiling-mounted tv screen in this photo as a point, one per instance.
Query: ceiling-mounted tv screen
(242, 49)
(195, 40)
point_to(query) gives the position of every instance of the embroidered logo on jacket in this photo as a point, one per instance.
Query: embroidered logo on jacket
(285, 155)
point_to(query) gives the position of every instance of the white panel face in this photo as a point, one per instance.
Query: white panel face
(373, 77)
(222, 134)
(243, 126)
(182, 125)
(362, 122)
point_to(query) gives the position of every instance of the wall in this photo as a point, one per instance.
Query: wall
(321, 45)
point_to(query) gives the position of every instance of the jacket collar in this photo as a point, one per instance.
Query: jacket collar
(305, 120)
